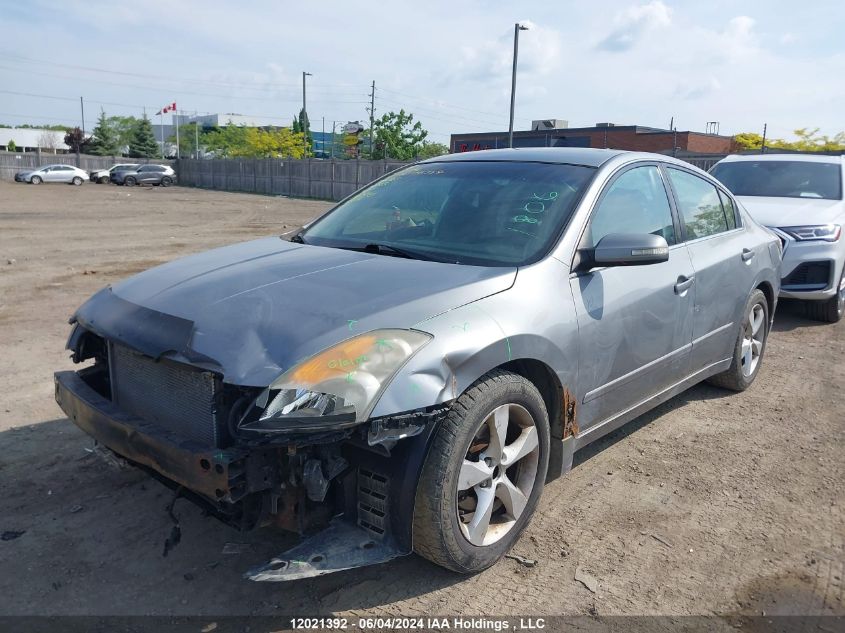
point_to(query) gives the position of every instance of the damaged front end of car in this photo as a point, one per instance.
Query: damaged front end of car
(302, 453)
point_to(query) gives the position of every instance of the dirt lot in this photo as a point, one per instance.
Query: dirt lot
(712, 503)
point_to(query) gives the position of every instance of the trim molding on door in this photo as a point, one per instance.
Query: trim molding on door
(712, 333)
(631, 375)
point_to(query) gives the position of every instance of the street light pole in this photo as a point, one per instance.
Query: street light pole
(516, 29)
(304, 111)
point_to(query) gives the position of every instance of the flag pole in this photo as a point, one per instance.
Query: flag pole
(176, 120)
(161, 129)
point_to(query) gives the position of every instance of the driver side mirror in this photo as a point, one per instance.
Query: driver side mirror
(630, 249)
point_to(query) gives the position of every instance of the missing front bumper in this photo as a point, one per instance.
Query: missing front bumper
(215, 474)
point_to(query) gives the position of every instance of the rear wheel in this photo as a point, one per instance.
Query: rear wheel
(166, 181)
(484, 474)
(35, 180)
(129, 181)
(832, 309)
(76, 181)
(750, 346)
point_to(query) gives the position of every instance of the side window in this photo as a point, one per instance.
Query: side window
(699, 204)
(140, 169)
(730, 211)
(636, 202)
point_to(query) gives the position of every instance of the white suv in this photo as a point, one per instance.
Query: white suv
(799, 197)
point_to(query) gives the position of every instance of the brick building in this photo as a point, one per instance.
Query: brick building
(602, 135)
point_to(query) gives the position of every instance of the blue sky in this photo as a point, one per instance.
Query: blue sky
(740, 62)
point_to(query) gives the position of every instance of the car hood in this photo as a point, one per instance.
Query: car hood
(252, 310)
(793, 211)
(26, 172)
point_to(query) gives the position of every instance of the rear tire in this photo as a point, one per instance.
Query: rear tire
(76, 181)
(129, 181)
(831, 310)
(507, 483)
(750, 346)
(166, 181)
(35, 180)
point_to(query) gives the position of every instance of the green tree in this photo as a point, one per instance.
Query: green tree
(229, 140)
(807, 140)
(395, 135)
(301, 124)
(274, 143)
(430, 150)
(11, 146)
(104, 141)
(188, 138)
(143, 143)
(124, 129)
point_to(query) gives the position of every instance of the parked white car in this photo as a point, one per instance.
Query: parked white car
(53, 173)
(799, 197)
(103, 176)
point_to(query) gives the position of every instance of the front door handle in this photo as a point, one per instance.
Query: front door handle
(747, 254)
(683, 284)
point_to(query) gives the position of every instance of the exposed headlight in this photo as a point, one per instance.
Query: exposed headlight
(335, 389)
(825, 232)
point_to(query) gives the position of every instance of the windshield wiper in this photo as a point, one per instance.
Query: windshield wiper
(392, 251)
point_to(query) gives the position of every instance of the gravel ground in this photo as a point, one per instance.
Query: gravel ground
(712, 503)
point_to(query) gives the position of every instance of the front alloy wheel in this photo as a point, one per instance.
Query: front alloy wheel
(484, 474)
(754, 333)
(831, 310)
(497, 477)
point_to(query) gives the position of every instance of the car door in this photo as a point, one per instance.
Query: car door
(634, 325)
(50, 174)
(64, 173)
(722, 253)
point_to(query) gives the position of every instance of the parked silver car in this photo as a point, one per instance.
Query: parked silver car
(800, 197)
(53, 173)
(409, 370)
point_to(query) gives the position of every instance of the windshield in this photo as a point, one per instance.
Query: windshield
(781, 178)
(484, 213)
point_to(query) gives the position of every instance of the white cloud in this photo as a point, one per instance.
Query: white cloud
(634, 23)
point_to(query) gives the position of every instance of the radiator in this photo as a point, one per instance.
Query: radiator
(175, 397)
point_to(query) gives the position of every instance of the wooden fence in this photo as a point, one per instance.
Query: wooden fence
(331, 179)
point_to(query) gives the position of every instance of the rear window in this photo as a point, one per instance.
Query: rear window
(781, 178)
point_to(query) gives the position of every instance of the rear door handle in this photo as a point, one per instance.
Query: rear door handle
(747, 254)
(683, 284)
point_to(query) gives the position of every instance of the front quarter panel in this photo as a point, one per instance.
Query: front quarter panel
(534, 319)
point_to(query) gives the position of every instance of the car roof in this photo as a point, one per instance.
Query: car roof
(804, 158)
(586, 156)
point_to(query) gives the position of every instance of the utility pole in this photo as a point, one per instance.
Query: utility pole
(197, 134)
(305, 112)
(516, 29)
(332, 150)
(323, 140)
(79, 147)
(763, 146)
(372, 114)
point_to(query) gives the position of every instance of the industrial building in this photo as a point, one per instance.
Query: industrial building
(33, 140)
(557, 133)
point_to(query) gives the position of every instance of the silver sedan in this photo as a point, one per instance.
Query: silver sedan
(67, 174)
(406, 372)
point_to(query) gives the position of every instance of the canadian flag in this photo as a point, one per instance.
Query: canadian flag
(170, 107)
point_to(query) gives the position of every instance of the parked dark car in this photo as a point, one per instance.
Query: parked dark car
(407, 371)
(102, 176)
(145, 175)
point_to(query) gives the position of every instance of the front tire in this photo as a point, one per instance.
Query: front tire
(831, 310)
(35, 180)
(129, 181)
(750, 345)
(490, 455)
(76, 181)
(104, 180)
